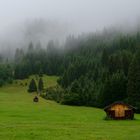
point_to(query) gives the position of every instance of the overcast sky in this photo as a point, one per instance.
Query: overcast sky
(82, 15)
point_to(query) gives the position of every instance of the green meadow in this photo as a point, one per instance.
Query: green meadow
(22, 119)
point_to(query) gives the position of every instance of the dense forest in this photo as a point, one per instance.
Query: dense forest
(94, 69)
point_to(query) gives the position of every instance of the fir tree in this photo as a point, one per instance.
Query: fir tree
(40, 85)
(133, 87)
(40, 73)
(104, 58)
(114, 89)
(32, 86)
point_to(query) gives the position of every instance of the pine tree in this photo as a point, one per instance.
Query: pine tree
(104, 58)
(40, 85)
(114, 89)
(32, 86)
(40, 73)
(30, 47)
(133, 87)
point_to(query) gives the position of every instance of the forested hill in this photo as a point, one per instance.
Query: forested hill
(94, 69)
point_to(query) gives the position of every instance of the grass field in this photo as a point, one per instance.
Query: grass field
(22, 119)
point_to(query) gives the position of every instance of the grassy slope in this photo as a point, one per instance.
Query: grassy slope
(47, 80)
(21, 119)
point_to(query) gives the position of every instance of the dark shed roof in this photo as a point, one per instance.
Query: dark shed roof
(118, 102)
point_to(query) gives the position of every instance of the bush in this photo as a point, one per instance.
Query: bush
(1, 82)
(55, 93)
(10, 80)
(72, 99)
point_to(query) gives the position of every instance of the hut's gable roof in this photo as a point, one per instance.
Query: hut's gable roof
(118, 102)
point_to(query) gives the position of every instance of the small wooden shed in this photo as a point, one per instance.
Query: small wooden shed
(35, 99)
(119, 111)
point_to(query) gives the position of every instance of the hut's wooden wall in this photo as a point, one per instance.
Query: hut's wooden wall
(119, 110)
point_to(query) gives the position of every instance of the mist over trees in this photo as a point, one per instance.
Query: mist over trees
(94, 69)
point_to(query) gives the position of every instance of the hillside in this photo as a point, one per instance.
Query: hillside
(93, 69)
(22, 119)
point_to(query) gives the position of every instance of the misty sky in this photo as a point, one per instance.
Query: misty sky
(81, 15)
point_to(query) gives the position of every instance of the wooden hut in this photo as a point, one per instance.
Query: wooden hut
(120, 111)
(35, 99)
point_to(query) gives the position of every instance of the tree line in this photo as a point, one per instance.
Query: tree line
(94, 69)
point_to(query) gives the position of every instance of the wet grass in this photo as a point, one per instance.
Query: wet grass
(22, 119)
